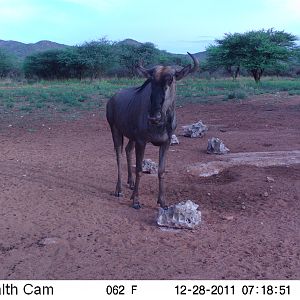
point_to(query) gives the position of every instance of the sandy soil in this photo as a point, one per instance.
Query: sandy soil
(59, 220)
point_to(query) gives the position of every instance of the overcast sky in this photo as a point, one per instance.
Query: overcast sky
(175, 26)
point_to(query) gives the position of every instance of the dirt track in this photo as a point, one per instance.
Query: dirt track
(58, 219)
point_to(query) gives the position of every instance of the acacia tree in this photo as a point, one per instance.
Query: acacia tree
(6, 64)
(46, 65)
(130, 56)
(92, 59)
(227, 53)
(256, 51)
(96, 57)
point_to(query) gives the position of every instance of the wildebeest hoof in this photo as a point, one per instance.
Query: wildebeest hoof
(165, 207)
(136, 205)
(131, 185)
(119, 194)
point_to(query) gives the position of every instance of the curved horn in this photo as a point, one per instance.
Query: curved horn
(188, 69)
(196, 63)
(144, 72)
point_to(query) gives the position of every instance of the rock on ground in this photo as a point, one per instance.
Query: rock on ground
(216, 146)
(195, 130)
(174, 140)
(181, 215)
(149, 166)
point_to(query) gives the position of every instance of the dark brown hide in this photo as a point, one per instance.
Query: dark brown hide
(145, 114)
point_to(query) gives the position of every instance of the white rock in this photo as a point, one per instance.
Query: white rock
(149, 166)
(174, 140)
(270, 179)
(195, 130)
(216, 146)
(181, 215)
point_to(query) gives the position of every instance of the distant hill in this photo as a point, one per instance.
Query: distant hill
(22, 50)
(130, 42)
(202, 56)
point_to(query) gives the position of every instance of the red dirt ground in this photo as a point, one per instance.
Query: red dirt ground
(59, 220)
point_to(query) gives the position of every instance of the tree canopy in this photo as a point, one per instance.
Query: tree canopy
(255, 51)
(6, 64)
(96, 59)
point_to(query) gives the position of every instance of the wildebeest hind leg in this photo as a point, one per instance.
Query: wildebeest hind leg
(118, 144)
(129, 149)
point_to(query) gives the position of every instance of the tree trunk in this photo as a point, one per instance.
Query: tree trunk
(237, 72)
(257, 73)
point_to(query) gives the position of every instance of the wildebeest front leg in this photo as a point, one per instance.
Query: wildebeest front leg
(128, 150)
(118, 141)
(161, 174)
(139, 152)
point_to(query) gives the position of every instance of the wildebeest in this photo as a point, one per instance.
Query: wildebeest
(145, 114)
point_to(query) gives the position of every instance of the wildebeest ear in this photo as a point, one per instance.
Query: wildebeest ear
(183, 72)
(148, 73)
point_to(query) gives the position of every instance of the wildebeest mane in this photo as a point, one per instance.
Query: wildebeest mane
(140, 88)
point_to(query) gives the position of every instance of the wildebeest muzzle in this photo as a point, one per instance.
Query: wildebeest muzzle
(156, 118)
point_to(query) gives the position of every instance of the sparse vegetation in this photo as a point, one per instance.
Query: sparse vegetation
(84, 95)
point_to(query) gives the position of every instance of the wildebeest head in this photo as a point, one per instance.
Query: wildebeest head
(163, 83)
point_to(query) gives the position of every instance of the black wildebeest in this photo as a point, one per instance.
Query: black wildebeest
(145, 114)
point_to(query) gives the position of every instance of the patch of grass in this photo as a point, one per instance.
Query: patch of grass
(294, 92)
(228, 89)
(26, 108)
(238, 94)
(9, 105)
(55, 94)
(71, 95)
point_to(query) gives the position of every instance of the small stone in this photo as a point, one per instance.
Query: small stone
(149, 166)
(174, 140)
(194, 130)
(48, 241)
(227, 218)
(208, 194)
(216, 146)
(181, 215)
(266, 194)
(270, 179)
